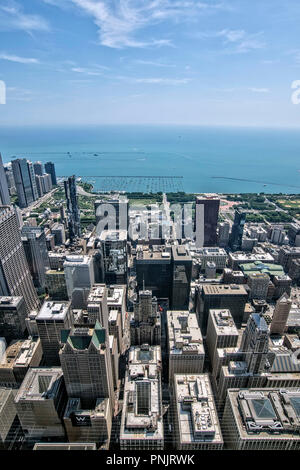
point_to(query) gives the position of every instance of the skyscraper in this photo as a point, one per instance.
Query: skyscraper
(38, 168)
(280, 315)
(86, 364)
(15, 278)
(72, 208)
(255, 342)
(25, 181)
(50, 168)
(34, 242)
(211, 203)
(237, 230)
(146, 327)
(4, 193)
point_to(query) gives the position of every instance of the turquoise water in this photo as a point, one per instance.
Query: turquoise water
(208, 159)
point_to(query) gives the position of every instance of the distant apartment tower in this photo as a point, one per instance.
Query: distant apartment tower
(194, 413)
(15, 278)
(237, 231)
(142, 414)
(51, 320)
(40, 403)
(211, 208)
(72, 208)
(86, 364)
(38, 168)
(34, 242)
(280, 315)
(12, 317)
(50, 169)
(146, 326)
(25, 181)
(4, 192)
(185, 344)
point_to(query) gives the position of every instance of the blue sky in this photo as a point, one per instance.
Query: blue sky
(208, 62)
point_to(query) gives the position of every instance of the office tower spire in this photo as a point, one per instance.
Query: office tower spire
(15, 279)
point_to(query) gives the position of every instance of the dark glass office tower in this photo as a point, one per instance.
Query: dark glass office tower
(211, 205)
(72, 208)
(4, 192)
(237, 230)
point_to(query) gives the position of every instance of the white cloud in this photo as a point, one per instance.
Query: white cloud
(13, 17)
(162, 81)
(259, 90)
(154, 63)
(87, 71)
(236, 41)
(20, 60)
(120, 21)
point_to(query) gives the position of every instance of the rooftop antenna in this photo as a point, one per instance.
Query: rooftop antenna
(143, 282)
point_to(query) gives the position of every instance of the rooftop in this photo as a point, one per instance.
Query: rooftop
(196, 411)
(184, 333)
(266, 413)
(53, 311)
(223, 322)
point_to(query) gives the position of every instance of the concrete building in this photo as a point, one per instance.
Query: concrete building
(258, 284)
(83, 425)
(12, 317)
(86, 364)
(17, 359)
(154, 270)
(185, 344)
(283, 285)
(211, 270)
(238, 258)
(233, 277)
(55, 284)
(223, 234)
(116, 300)
(38, 168)
(221, 332)
(15, 278)
(58, 230)
(80, 277)
(40, 403)
(211, 205)
(262, 419)
(114, 354)
(215, 255)
(142, 418)
(97, 306)
(51, 320)
(280, 315)
(115, 328)
(286, 255)
(223, 296)
(113, 254)
(195, 417)
(146, 325)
